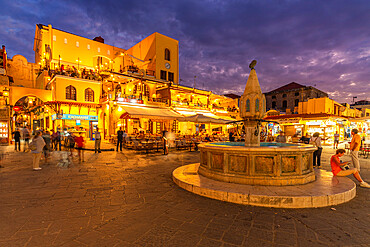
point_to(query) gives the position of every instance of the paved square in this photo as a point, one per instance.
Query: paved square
(129, 199)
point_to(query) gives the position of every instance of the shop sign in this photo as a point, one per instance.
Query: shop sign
(314, 123)
(75, 117)
(130, 100)
(17, 108)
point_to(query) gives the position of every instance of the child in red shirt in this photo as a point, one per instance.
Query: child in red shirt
(337, 170)
(80, 145)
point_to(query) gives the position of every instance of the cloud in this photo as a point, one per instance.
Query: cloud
(322, 43)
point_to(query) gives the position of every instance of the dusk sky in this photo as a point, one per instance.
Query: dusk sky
(318, 43)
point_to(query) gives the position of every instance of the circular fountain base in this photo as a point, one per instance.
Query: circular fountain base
(277, 164)
(326, 190)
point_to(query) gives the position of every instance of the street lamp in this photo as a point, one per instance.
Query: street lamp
(6, 95)
(59, 61)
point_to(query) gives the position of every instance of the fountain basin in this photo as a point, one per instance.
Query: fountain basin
(275, 164)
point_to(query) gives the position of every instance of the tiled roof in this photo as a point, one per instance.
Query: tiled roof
(231, 95)
(290, 86)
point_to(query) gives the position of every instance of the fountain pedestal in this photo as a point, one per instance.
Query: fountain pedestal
(252, 133)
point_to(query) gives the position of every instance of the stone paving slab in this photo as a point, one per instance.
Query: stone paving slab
(325, 191)
(129, 199)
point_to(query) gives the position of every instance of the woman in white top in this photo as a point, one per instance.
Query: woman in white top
(316, 141)
(39, 143)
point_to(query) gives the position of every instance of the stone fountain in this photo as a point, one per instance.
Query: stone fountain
(263, 174)
(254, 162)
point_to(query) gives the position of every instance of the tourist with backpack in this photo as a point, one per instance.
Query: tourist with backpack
(36, 147)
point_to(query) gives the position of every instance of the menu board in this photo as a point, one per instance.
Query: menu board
(3, 132)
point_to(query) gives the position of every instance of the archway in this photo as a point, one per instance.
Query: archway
(28, 112)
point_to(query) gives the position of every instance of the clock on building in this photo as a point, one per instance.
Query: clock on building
(167, 65)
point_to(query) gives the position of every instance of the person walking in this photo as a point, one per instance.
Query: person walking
(281, 137)
(36, 147)
(47, 139)
(17, 139)
(125, 137)
(316, 141)
(355, 147)
(26, 138)
(119, 139)
(58, 141)
(80, 142)
(97, 140)
(337, 167)
(336, 140)
(231, 136)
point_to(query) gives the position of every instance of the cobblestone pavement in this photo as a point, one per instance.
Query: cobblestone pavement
(129, 199)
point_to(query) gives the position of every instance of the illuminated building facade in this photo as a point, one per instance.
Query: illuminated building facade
(80, 84)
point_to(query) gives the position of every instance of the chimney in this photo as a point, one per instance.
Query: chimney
(99, 39)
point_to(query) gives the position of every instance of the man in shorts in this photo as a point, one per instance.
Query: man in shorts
(336, 140)
(355, 147)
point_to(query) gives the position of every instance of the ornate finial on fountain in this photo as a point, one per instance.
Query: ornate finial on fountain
(252, 64)
(252, 107)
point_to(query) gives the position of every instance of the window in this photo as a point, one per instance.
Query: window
(71, 92)
(98, 49)
(54, 38)
(167, 55)
(170, 76)
(163, 75)
(88, 46)
(108, 52)
(77, 44)
(65, 41)
(257, 105)
(247, 106)
(296, 94)
(273, 104)
(284, 95)
(296, 101)
(89, 95)
(274, 97)
(285, 104)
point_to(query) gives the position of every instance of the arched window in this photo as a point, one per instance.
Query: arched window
(71, 93)
(167, 55)
(296, 101)
(257, 105)
(273, 104)
(89, 95)
(285, 104)
(247, 106)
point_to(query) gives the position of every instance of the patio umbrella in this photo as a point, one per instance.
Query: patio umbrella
(200, 118)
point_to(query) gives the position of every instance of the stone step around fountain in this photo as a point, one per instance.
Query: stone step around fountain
(325, 191)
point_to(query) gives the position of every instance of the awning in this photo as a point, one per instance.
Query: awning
(149, 112)
(191, 112)
(199, 118)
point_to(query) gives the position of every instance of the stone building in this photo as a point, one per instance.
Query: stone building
(286, 98)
